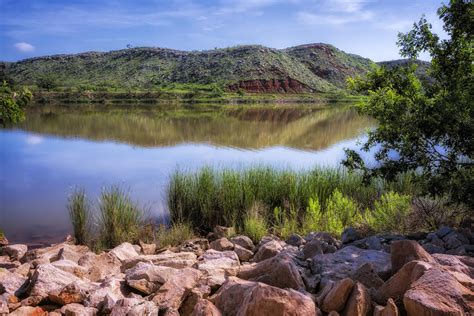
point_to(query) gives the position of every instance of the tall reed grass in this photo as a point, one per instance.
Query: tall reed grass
(80, 215)
(210, 197)
(115, 219)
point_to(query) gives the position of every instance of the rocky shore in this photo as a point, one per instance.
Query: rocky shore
(422, 274)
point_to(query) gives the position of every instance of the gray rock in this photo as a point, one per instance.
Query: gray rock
(167, 258)
(218, 265)
(72, 252)
(196, 246)
(109, 291)
(344, 262)
(144, 309)
(373, 243)
(349, 235)
(366, 275)
(312, 249)
(295, 240)
(443, 231)
(432, 248)
(243, 241)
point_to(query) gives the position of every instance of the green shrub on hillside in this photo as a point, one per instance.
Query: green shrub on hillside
(390, 213)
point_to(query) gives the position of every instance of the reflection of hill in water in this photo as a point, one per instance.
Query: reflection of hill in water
(253, 128)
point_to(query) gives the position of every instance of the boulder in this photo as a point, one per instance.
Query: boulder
(456, 263)
(145, 308)
(205, 308)
(15, 252)
(107, 293)
(46, 254)
(71, 293)
(443, 231)
(279, 271)
(31, 301)
(72, 252)
(243, 241)
(48, 278)
(12, 283)
(404, 251)
(75, 309)
(295, 240)
(125, 305)
(344, 262)
(401, 281)
(349, 235)
(359, 302)
(217, 265)
(175, 290)
(366, 275)
(124, 251)
(221, 244)
(70, 267)
(166, 258)
(336, 298)
(147, 249)
(99, 266)
(240, 297)
(312, 249)
(195, 295)
(147, 278)
(243, 253)
(389, 310)
(438, 293)
(29, 311)
(267, 250)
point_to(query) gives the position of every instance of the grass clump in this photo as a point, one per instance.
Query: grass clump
(174, 235)
(119, 218)
(80, 215)
(113, 220)
(341, 212)
(255, 226)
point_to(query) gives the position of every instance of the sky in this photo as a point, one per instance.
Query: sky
(369, 28)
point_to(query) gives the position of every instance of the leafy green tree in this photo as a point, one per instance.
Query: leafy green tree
(47, 81)
(12, 103)
(425, 127)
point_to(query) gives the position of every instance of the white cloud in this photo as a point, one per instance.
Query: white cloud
(24, 47)
(348, 6)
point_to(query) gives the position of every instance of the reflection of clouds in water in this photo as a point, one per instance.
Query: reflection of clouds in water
(34, 139)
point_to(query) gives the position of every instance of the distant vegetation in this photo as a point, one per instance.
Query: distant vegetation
(315, 67)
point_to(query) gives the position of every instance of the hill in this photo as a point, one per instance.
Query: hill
(305, 68)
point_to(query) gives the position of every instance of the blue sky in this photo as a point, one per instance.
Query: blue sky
(31, 28)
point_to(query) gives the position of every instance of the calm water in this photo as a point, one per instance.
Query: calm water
(55, 150)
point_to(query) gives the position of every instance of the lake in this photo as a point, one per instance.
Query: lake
(59, 148)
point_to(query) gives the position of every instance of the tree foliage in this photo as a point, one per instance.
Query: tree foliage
(12, 103)
(425, 127)
(47, 81)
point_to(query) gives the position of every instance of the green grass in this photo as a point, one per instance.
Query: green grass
(174, 235)
(210, 197)
(80, 216)
(255, 226)
(114, 219)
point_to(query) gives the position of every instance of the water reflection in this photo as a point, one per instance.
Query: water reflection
(42, 159)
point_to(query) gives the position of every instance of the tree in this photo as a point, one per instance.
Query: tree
(47, 81)
(426, 127)
(12, 103)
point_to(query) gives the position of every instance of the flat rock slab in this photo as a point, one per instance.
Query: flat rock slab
(344, 262)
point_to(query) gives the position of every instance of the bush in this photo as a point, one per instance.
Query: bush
(341, 212)
(255, 226)
(174, 235)
(120, 219)
(313, 217)
(80, 215)
(390, 213)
